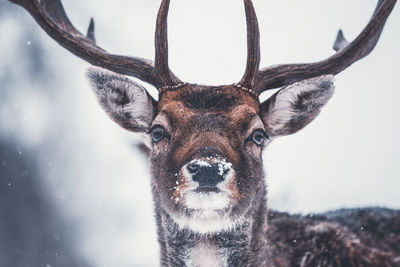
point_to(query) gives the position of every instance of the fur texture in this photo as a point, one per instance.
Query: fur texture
(346, 237)
(296, 105)
(125, 101)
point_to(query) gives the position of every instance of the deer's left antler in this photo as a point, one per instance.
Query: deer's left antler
(347, 53)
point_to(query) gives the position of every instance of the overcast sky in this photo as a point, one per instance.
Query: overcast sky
(348, 157)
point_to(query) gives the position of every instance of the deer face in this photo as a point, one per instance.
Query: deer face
(206, 154)
(207, 142)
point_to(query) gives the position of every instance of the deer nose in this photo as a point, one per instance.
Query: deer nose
(208, 175)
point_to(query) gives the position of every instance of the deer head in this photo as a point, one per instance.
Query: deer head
(206, 142)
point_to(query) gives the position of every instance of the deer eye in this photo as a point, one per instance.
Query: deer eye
(157, 133)
(258, 137)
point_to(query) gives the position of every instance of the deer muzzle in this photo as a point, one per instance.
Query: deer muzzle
(209, 183)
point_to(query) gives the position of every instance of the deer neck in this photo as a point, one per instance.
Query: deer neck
(243, 245)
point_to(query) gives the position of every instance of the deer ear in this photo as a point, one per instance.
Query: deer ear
(125, 101)
(294, 106)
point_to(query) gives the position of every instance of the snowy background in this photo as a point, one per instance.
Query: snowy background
(74, 190)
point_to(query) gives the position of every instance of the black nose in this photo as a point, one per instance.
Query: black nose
(207, 175)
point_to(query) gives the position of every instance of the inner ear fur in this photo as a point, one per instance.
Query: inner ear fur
(124, 101)
(293, 107)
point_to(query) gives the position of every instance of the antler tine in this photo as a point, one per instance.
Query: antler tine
(162, 70)
(282, 75)
(90, 31)
(253, 46)
(50, 15)
(340, 41)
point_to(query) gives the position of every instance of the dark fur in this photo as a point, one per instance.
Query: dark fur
(209, 100)
(330, 239)
(347, 237)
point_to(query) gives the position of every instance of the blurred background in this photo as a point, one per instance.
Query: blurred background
(75, 190)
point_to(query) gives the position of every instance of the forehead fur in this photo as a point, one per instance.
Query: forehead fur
(209, 99)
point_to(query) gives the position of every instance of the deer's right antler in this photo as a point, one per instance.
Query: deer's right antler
(50, 15)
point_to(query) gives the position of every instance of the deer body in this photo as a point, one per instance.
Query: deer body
(205, 145)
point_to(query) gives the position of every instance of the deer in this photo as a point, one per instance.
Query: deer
(205, 146)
